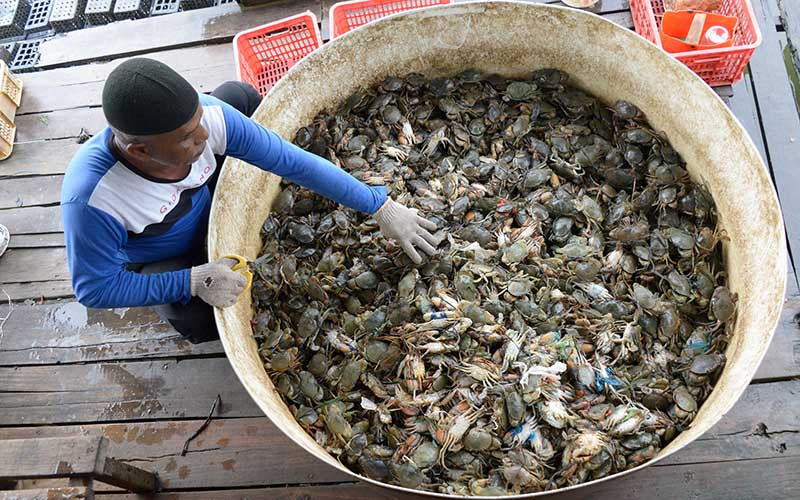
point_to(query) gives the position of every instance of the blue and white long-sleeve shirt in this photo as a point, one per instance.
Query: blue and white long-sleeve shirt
(114, 214)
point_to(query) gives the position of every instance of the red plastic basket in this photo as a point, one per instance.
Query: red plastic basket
(346, 16)
(264, 54)
(722, 66)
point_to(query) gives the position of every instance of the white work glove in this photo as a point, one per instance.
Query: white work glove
(402, 224)
(216, 283)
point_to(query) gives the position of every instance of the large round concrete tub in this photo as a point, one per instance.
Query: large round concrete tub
(514, 39)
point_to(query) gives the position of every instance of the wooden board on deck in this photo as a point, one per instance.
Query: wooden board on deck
(140, 390)
(743, 105)
(31, 220)
(780, 122)
(204, 67)
(790, 19)
(62, 124)
(751, 480)
(62, 493)
(182, 29)
(38, 158)
(39, 290)
(70, 333)
(783, 355)
(43, 240)
(236, 452)
(31, 191)
(21, 265)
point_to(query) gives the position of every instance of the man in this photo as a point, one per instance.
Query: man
(136, 196)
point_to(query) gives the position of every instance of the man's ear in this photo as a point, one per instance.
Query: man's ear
(138, 151)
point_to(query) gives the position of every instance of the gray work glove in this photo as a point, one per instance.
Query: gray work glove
(402, 224)
(216, 283)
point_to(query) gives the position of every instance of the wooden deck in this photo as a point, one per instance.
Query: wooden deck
(66, 370)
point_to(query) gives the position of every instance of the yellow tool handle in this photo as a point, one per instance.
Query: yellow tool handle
(241, 265)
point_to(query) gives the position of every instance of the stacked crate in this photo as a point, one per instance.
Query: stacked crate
(67, 15)
(161, 7)
(13, 16)
(39, 16)
(27, 54)
(99, 11)
(10, 95)
(131, 9)
(196, 4)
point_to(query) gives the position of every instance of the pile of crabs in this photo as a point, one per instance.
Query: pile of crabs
(573, 321)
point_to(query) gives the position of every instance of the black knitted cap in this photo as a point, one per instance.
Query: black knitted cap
(145, 97)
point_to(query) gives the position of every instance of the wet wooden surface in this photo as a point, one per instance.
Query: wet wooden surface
(67, 371)
(65, 493)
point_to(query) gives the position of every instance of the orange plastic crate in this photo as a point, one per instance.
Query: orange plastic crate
(721, 66)
(346, 16)
(264, 54)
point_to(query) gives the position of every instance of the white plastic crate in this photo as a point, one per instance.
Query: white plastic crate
(39, 17)
(131, 9)
(67, 15)
(99, 11)
(27, 54)
(13, 16)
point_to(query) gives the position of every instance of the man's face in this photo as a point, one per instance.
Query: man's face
(172, 154)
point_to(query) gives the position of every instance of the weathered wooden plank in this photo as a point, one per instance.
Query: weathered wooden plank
(45, 240)
(751, 480)
(49, 457)
(204, 67)
(783, 356)
(38, 290)
(771, 406)
(743, 105)
(64, 493)
(22, 265)
(39, 158)
(130, 478)
(792, 290)
(237, 452)
(61, 124)
(70, 333)
(102, 392)
(195, 27)
(71, 457)
(780, 122)
(32, 220)
(789, 12)
(30, 191)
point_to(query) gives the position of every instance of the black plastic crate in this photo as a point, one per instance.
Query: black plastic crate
(221, 2)
(39, 17)
(67, 15)
(161, 7)
(196, 4)
(13, 15)
(27, 55)
(131, 9)
(99, 12)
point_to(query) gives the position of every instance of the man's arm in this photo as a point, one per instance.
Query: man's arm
(93, 240)
(249, 141)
